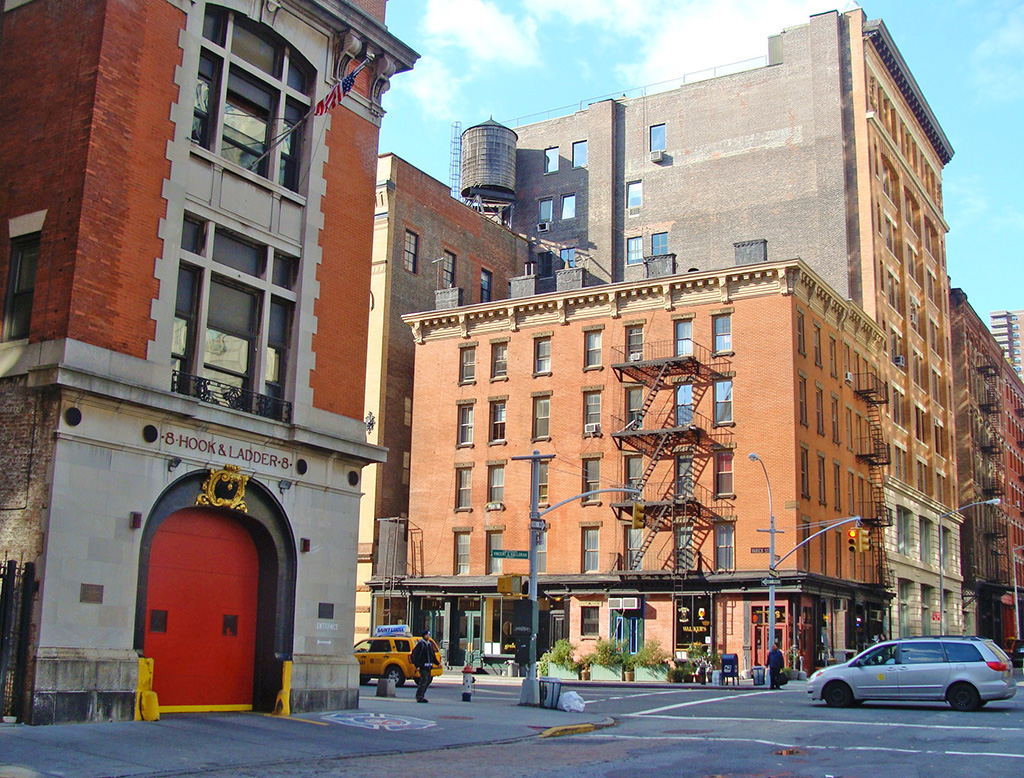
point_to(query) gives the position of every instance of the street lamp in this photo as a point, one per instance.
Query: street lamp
(1016, 600)
(942, 566)
(771, 548)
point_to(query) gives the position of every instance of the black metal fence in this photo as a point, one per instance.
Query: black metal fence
(17, 590)
(227, 396)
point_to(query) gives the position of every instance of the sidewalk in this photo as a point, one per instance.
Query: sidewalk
(184, 744)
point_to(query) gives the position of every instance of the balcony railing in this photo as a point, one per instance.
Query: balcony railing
(227, 396)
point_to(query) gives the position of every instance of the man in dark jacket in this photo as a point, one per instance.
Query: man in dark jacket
(424, 658)
(775, 664)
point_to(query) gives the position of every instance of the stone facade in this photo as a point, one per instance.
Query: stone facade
(193, 308)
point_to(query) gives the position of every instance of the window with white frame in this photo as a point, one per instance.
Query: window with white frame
(545, 209)
(591, 410)
(634, 539)
(591, 478)
(541, 355)
(634, 404)
(541, 417)
(251, 87)
(723, 402)
(634, 194)
(590, 549)
(497, 421)
(723, 332)
(724, 534)
(592, 348)
(461, 553)
(568, 206)
(542, 483)
(467, 364)
(723, 473)
(684, 548)
(495, 542)
(684, 476)
(657, 137)
(684, 404)
(463, 488)
(634, 250)
(684, 338)
(465, 434)
(496, 484)
(499, 360)
(634, 343)
(551, 160)
(579, 153)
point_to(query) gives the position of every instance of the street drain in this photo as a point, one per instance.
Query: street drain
(788, 752)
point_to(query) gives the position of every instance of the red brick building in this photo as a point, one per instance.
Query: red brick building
(989, 398)
(666, 384)
(183, 350)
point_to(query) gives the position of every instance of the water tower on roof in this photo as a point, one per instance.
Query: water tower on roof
(489, 169)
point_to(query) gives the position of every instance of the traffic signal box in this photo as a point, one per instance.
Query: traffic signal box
(510, 584)
(638, 515)
(858, 540)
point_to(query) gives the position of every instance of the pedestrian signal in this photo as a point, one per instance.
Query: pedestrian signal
(638, 515)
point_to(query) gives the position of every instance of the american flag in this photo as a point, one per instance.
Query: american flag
(337, 94)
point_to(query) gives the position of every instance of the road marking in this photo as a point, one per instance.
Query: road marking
(292, 718)
(702, 702)
(804, 746)
(379, 721)
(887, 724)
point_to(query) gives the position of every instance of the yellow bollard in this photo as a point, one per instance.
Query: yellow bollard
(147, 707)
(282, 707)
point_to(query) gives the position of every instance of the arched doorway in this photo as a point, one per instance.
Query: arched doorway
(201, 565)
(202, 611)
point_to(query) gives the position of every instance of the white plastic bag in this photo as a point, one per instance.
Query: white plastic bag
(570, 702)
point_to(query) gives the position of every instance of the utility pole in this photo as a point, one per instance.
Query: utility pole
(530, 694)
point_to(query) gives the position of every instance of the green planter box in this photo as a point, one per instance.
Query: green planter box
(602, 673)
(655, 674)
(565, 673)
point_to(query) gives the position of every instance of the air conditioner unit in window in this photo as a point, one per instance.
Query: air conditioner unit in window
(657, 155)
(634, 211)
(592, 429)
(543, 226)
(849, 378)
(636, 356)
(899, 360)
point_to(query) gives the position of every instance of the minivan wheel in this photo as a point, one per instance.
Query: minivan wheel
(395, 672)
(837, 695)
(963, 697)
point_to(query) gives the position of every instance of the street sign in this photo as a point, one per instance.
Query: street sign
(759, 550)
(503, 553)
(769, 582)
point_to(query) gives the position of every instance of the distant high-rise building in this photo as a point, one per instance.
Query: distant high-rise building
(1005, 325)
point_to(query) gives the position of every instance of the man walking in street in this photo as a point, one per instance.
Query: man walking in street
(424, 659)
(775, 664)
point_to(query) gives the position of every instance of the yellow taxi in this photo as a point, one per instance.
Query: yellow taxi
(387, 655)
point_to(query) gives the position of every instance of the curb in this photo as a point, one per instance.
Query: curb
(575, 729)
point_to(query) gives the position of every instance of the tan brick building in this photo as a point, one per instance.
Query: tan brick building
(183, 338)
(667, 384)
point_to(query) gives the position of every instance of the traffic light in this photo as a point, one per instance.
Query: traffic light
(638, 515)
(863, 540)
(852, 540)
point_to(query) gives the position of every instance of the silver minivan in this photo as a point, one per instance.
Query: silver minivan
(966, 672)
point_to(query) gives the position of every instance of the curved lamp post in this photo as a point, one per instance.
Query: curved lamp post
(942, 565)
(771, 548)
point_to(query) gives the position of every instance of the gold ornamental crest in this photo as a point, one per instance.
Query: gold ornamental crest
(224, 489)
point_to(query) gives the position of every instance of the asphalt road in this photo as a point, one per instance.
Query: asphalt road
(675, 731)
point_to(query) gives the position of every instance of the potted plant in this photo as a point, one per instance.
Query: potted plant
(628, 666)
(607, 660)
(651, 662)
(584, 664)
(558, 662)
(688, 670)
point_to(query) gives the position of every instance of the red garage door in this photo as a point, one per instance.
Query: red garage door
(201, 612)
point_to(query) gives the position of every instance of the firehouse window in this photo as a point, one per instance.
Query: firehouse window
(21, 285)
(230, 335)
(251, 86)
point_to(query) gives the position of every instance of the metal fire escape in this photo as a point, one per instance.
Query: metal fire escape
(874, 450)
(662, 431)
(990, 525)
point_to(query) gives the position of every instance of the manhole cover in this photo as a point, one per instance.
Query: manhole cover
(788, 752)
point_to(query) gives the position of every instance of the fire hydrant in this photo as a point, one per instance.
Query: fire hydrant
(467, 683)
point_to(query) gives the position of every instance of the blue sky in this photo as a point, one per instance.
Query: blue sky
(516, 58)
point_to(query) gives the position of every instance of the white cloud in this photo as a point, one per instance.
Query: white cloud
(482, 31)
(998, 62)
(431, 84)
